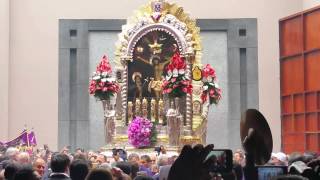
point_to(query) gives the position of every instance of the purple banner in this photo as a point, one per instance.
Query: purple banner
(24, 139)
(32, 139)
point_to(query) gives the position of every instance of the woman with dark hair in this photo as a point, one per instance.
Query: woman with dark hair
(99, 174)
(79, 169)
(10, 170)
(26, 173)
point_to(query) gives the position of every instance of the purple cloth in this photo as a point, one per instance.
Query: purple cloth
(32, 139)
(147, 170)
(23, 139)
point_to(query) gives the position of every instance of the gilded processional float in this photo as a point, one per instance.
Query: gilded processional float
(159, 93)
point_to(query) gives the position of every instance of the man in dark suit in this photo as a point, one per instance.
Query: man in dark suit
(60, 167)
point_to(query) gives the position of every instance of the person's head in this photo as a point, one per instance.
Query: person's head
(101, 159)
(155, 60)
(136, 77)
(133, 158)
(279, 159)
(79, 169)
(154, 169)
(60, 163)
(79, 150)
(163, 160)
(115, 155)
(79, 155)
(125, 167)
(145, 161)
(238, 156)
(10, 170)
(39, 165)
(105, 166)
(99, 174)
(23, 158)
(26, 173)
(163, 150)
(295, 156)
(134, 169)
(12, 153)
(309, 156)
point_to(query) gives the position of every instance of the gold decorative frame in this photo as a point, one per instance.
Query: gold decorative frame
(159, 15)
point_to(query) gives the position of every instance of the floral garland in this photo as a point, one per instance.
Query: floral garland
(102, 85)
(210, 87)
(175, 83)
(141, 132)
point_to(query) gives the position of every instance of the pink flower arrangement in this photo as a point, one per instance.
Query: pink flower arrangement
(140, 132)
(210, 87)
(102, 85)
(175, 83)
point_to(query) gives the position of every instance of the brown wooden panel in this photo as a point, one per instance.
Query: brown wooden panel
(313, 71)
(289, 148)
(318, 101)
(311, 102)
(287, 106)
(299, 124)
(312, 30)
(300, 147)
(298, 103)
(297, 138)
(319, 123)
(312, 142)
(291, 36)
(292, 75)
(287, 124)
(311, 122)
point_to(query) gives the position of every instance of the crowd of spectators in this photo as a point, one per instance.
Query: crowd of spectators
(119, 164)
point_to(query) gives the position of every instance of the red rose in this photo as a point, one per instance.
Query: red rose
(208, 71)
(204, 97)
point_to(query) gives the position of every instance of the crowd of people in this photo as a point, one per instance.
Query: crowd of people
(191, 164)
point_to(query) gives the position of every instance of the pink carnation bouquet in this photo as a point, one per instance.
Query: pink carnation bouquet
(140, 132)
(210, 88)
(102, 85)
(175, 83)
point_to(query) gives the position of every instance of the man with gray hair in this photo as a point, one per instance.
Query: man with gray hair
(12, 153)
(163, 161)
(23, 158)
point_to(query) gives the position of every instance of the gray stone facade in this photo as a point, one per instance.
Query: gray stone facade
(229, 45)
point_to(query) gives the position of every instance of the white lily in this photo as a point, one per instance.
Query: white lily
(168, 77)
(216, 85)
(205, 88)
(175, 72)
(104, 80)
(111, 79)
(181, 71)
(209, 79)
(170, 73)
(96, 77)
(204, 79)
(104, 74)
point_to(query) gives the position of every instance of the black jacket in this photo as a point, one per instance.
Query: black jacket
(59, 177)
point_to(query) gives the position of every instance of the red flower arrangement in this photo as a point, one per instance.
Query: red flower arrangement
(210, 87)
(175, 83)
(102, 85)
